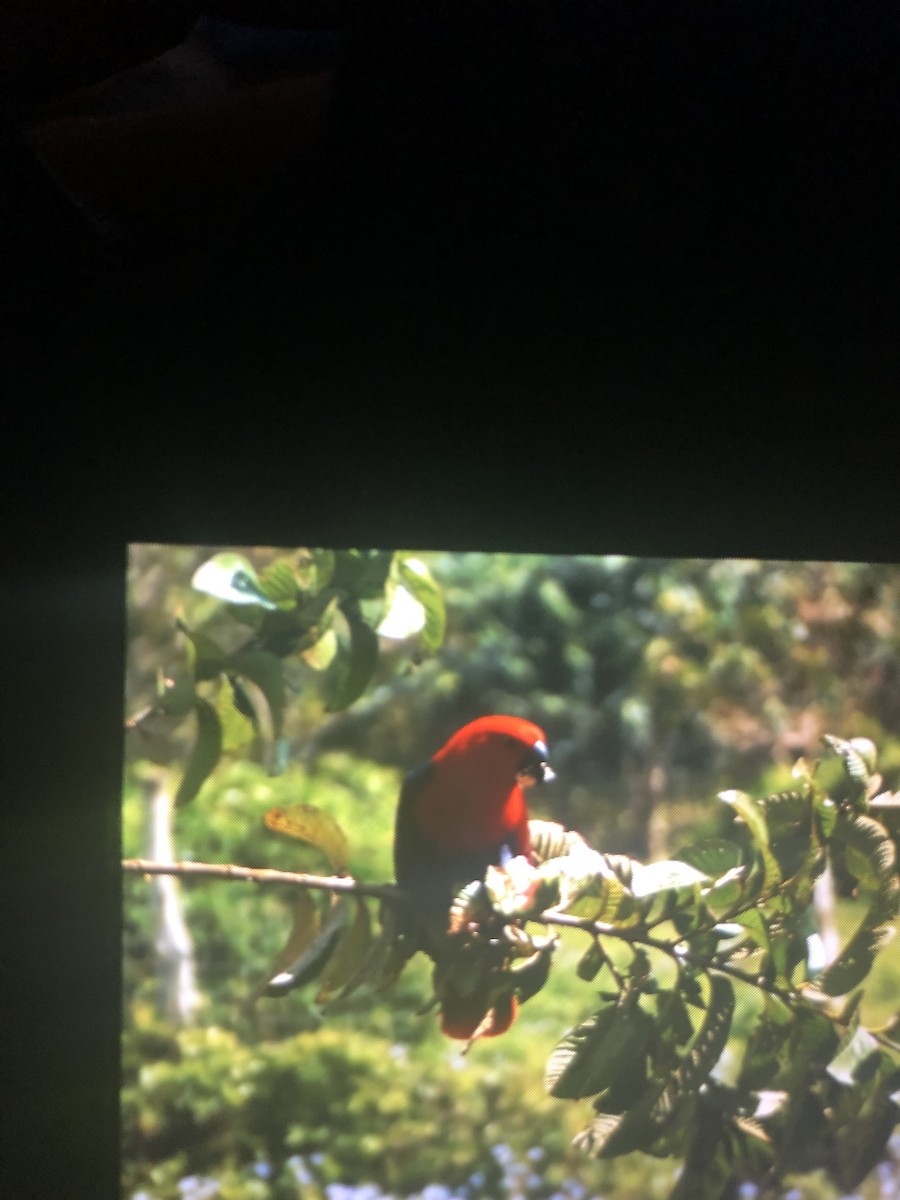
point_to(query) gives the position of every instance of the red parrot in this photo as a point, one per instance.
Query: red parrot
(458, 814)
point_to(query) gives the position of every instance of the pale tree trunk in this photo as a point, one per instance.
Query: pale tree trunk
(179, 998)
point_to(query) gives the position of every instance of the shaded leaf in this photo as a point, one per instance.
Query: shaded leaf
(592, 1055)
(855, 960)
(853, 756)
(349, 956)
(249, 696)
(353, 669)
(266, 671)
(205, 754)
(305, 924)
(591, 962)
(868, 849)
(313, 956)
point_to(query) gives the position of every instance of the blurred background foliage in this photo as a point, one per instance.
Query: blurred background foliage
(658, 683)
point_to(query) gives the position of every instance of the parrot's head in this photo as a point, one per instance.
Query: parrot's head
(504, 750)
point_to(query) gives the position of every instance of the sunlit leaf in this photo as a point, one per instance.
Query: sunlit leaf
(230, 577)
(405, 616)
(320, 655)
(551, 840)
(313, 826)
(712, 856)
(419, 583)
(278, 582)
(752, 814)
(205, 754)
(238, 732)
(856, 1058)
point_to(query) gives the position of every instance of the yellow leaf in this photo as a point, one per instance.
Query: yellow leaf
(313, 826)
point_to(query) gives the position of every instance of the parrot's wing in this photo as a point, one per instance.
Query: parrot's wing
(410, 854)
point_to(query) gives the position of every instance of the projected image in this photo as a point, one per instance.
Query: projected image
(467, 876)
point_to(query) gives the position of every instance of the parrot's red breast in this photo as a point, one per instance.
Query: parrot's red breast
(460, 813)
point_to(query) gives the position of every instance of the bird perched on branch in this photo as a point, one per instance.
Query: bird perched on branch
(458, 814)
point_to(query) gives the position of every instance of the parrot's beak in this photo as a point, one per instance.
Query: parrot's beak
(535, 769)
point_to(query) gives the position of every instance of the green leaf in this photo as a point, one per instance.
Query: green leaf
(587, 888)
(812, 1041)
(869, 851)
(353, 669)
(708, 1169)
(856, 1059)
(752, 814)
(230, 577)
(305, 924)
(712, 1036)
(321, 654)
(713, 856)
(204, 654)
(827, 813)
(666, 877)
(769, 1033)
(417, 580)
(531, 974)
(854, 756)
(205, 754)
(590, 1057)
(863, 1119)
(665, 889)
(855, 960)
(250, 698)
(591, 962)
(266, 670)
(349, 955)
(753, 921)
(787, 812)
(313, 956)
(237, 729)
(278, 582)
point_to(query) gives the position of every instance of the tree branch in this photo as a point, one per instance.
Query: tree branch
(326, 883)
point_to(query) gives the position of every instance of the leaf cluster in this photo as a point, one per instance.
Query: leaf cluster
(730, 922)
(322, 610)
